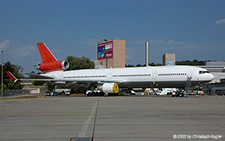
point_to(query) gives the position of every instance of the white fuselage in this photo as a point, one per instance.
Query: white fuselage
(139, 77)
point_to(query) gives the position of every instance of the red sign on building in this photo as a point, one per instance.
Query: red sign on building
(105, 50)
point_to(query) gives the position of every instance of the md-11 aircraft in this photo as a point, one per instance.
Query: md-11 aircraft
(109, 80)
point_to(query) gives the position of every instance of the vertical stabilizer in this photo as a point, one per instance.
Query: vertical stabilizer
(46, 54)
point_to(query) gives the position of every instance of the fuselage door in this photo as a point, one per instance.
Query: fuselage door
(109, 76)
(154, 75)
(189, 74)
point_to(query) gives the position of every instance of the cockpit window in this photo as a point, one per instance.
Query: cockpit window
(202, 72)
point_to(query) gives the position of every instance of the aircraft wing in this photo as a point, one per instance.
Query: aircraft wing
(84, 80)
(12, 77)
(38, 76)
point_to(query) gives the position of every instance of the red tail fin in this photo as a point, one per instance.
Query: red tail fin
(46, 54)
(11, 76)
(49, 62)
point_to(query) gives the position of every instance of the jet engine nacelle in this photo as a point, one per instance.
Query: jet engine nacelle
(110, 88)
(53, 66)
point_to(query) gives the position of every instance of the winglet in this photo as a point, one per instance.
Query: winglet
(11, 76)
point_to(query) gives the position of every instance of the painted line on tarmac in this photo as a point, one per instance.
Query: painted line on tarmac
(86, 124)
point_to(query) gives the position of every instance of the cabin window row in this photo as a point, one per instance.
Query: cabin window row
(132, 75)
(172, 74)
(96, 76)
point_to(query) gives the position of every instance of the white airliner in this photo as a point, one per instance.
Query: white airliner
(109, 80)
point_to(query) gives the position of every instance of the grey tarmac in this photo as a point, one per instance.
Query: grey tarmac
(112, 118)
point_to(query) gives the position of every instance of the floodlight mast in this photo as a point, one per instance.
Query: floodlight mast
(147, 53)
(2, 76)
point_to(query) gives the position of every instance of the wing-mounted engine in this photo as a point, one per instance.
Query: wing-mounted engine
(53, 66)
(109, 88)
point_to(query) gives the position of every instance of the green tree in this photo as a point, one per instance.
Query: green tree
(153, 64)
(16, 71)
(201, 63)
(191, 63)
(158, 64)
(139, 65)
(80, 63)
(129, 65)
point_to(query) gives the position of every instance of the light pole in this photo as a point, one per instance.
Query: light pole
(2, 76)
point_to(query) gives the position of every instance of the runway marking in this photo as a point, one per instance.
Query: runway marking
(84, 129)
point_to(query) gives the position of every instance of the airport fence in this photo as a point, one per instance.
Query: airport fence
(18, 92)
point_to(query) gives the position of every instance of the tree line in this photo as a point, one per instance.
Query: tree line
(186, 62)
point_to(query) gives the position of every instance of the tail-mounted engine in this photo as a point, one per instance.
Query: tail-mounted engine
(53, 66)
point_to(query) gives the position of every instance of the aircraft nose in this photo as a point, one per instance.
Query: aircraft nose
(211, 77)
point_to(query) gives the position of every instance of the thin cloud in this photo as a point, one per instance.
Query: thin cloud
(221, 21)
(56, 50)
(129, 57)
(4, 44)
(172, 42)
(22, 52)
(159, 42)
(90, 42)
(137, 42)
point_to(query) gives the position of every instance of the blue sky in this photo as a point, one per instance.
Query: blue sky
(192, 29)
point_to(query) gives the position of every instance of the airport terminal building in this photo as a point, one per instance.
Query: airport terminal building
(217, 69)
(217, 86)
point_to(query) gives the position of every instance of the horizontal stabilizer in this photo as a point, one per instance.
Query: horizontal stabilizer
(11, 76)
(38, 76)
